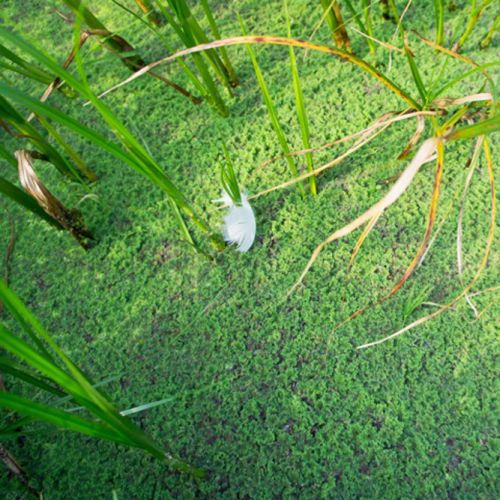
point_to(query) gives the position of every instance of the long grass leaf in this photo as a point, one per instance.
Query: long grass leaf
(299, 103)
(439, 10)
(217, 36)
(415, 72)
(483, 127)
(273, 115)
(275, 40)
(14, 369)
(19, 196)
(60, 418)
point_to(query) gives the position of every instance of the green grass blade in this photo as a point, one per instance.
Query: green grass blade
(474, 15)
(415, 72)
(135, 409)
(165, 42)
(28, 131)
(146, 406)
(272, 111)
(366, 26)
(11, 368)
(299, 103)
(77, 386)
(23, 67)
(60, 418)
(217, 36)
(75, 157)
(194, 34)
(488, 126)
(211, 92)
(59, 401)
(463, 76)
(74, 382)
(439, 9)
(22, 315)
(19, 196)
(228, 178)
(485, 42)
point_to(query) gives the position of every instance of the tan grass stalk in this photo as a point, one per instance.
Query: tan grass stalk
(414, 138)
(482, 265)
(275, 40)
(423, 155)
(380, 42)
(70, 219)
(362, 238)
(365, 139)
(379, 122)
(445, 102)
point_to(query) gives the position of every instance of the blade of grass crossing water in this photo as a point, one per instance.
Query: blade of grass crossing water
(299, 102)
(217, 36)
(21, 198)
(415, 72)
(113, 427)
(439, 9)
(272, 111)
(211, 93)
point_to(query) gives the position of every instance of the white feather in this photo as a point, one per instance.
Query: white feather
(239, 223)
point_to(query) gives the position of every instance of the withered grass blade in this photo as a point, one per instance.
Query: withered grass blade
(423, 155)
(71, 220)
(275, 40)
(431, 218)
(481, 267)
(414, 138)
(362, 238)
(379, 122)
